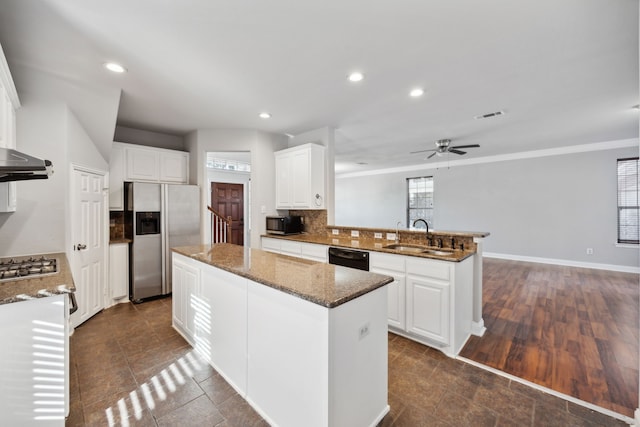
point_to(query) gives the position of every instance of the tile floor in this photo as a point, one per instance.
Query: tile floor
(129, 367)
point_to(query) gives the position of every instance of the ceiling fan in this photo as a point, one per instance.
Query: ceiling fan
(442, 146)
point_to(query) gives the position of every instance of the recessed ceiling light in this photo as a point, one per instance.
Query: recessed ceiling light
(417, 92)
(116, 68)
(265, 115)
(356, 77)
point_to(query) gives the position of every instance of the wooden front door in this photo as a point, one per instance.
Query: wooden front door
(228, 200)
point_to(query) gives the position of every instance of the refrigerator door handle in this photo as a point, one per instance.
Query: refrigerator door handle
(163, 234)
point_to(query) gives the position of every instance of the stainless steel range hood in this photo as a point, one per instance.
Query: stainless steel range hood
(17, 166)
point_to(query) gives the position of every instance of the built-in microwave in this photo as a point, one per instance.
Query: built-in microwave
(291, 224)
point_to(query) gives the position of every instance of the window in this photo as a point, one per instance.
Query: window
(628, 211)
(420, 200)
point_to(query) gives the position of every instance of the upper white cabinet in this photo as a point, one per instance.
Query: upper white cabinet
(142, 164)
(131, 162)
(9, 103)
(300, 177)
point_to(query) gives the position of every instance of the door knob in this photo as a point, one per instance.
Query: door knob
(80, 246)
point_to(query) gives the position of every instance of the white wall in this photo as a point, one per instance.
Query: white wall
(41, 222)
(261, 145)
(552, 207)
(148, 138)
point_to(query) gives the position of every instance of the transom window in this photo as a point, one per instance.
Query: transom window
(420, 200)
(628, 211)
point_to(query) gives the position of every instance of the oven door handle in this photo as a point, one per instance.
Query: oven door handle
(74, 303)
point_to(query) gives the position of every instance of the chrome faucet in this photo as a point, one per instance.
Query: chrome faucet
(398, 224)
(426, 224)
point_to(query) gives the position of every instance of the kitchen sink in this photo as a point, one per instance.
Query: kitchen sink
(417, 249)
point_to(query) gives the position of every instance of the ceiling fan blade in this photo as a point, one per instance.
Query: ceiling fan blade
(432, 154)
(453, 150)
(467, 146)
(421, 151)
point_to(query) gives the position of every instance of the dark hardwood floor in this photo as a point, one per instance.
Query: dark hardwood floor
(573, 330)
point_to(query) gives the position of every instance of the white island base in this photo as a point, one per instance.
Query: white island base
(296, 362)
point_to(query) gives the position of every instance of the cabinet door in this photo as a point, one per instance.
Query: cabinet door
(271, 245)
(428, 308)
(314, 252)
(300, 184)
(119, 270)
(283, 178)
(142, 164)
(174, 167)
(186, 298)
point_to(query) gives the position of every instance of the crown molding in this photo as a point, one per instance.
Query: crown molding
(559, 151)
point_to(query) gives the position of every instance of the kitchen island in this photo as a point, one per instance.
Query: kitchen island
(305, 343)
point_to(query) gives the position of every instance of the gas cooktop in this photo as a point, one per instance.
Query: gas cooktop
(27, 268)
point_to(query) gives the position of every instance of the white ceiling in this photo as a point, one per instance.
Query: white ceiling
(564, 71)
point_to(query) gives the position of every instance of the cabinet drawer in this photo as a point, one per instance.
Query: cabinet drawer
(314, 251)
(271, 245)
(387, 261)
(290, 247)
(429, 268)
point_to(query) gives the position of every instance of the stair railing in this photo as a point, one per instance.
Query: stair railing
(220, 226)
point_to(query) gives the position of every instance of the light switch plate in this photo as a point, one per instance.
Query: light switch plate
(391, 236)
(377, 235)
(355, 233)
(335, 232)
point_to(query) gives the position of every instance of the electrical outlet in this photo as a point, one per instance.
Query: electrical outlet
(377, 235)
(364, 331)
(335, 232)
(355, 233)
(589, 251)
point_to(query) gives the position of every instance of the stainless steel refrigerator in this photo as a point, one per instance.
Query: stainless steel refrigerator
(161, 216)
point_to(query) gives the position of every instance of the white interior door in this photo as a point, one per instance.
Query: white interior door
(88, 252)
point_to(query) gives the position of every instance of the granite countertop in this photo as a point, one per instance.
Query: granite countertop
(119, 240)
(375, 245)
(323, 284)
(23, 289)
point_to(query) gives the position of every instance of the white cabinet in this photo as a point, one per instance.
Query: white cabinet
(136, 163)
(174, 167)
(300, 177)
(143, 164)
(119, 270)
(428, 308)
(186, 297)
(35, 357)
(394, 266)
(311, 251)
(8, 197)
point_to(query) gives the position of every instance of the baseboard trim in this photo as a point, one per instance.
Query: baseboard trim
(571, 399)
(565, 262)
(477, 328)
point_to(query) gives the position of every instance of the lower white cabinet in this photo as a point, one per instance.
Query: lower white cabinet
(429, 301)
(34, 359)
(119, 270)
(186, 297)
(428, 308)
(394, 266)
(310, 251)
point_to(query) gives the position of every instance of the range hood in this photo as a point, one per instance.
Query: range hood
(17, 166)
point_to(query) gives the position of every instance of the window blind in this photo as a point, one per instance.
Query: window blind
(628, 210)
